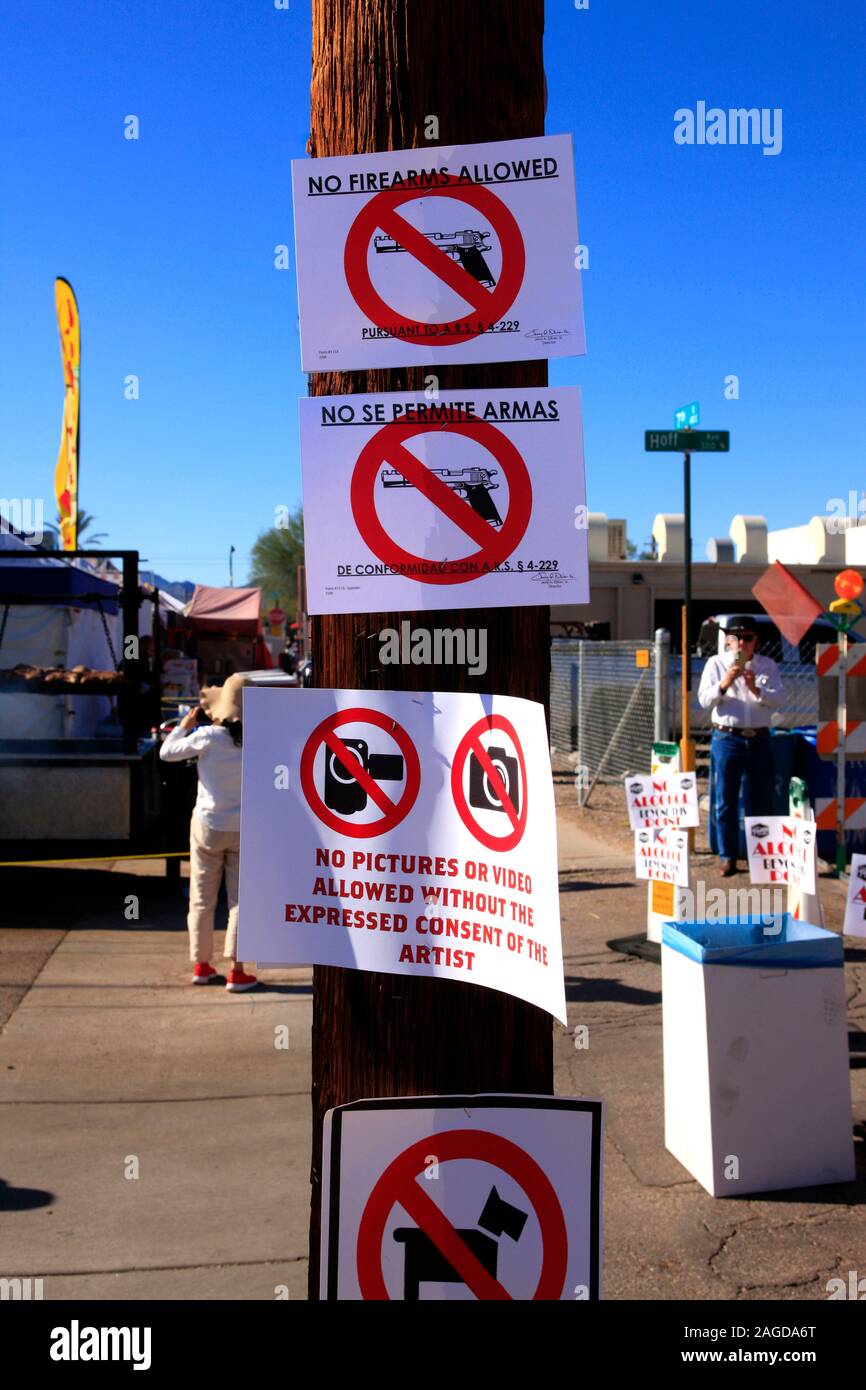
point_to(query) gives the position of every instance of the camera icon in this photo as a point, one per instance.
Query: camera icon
(481, 793)
(343, 793)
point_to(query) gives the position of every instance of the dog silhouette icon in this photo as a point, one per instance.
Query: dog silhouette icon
(425, 1262)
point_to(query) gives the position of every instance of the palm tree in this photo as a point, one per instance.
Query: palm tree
(276, 555)
(51, 539)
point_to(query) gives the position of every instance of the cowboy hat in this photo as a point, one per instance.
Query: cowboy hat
(741, 623)
(223, 704)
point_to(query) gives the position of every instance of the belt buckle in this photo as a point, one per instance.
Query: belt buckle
(748, 733)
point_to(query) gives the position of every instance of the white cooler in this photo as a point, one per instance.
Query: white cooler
(757, 1090)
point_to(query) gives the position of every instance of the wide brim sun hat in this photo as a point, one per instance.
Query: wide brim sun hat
(223, 704)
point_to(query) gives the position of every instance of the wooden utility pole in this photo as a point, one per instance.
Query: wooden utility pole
(381, 68)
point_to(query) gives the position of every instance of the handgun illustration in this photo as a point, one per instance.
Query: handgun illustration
(472, 483)
(467, 247)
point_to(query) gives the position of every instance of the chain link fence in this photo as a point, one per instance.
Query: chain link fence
(799, 705)
(608, 702)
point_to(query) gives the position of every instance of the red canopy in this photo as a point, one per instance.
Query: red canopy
(226, 610)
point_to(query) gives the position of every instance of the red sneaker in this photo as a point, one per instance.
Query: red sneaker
(237, 981)
(203, 973)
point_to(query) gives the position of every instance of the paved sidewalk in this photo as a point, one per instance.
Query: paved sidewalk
(111, 1058)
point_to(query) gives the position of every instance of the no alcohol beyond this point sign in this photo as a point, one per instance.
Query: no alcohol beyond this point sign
(480, 493)
(493, 1197)
(409, 257)
(360, 850)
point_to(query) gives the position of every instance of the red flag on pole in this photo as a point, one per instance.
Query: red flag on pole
(789, 604)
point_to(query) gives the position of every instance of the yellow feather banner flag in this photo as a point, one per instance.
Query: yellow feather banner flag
(66, 473)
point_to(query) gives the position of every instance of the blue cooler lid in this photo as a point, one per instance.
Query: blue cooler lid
(784, 943)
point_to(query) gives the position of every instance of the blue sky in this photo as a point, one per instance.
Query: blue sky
(704, 261)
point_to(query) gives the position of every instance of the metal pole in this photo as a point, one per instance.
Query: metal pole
(841, 733)
(661, 726)
(573, 729)
(686, 745)
(581, 786)
(130, 599)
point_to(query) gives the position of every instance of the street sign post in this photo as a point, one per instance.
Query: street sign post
(687, 441)
(688, 416)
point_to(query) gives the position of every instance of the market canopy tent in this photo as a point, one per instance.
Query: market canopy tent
(49, 580)
(227, 626)
(226, 610)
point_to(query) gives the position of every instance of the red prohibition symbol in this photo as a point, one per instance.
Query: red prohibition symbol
(491, 305)
(398, 1185)
(471, 744)
(392, 811)
(387, 446)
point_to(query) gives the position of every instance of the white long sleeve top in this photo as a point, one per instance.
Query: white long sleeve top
(738, 708)
(218, 803)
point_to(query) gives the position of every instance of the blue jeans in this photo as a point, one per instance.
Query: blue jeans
(731, 759)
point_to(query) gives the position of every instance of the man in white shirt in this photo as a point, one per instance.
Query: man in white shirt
(742, 688)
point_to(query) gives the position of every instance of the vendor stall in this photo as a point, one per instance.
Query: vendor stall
(79, 771)
(226, 630)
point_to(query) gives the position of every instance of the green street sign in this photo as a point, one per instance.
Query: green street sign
(687, 441)
(688, 416)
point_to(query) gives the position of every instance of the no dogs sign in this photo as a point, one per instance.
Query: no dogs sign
(468, 499)
(491, 1197)
(451, 254)
(412, 833)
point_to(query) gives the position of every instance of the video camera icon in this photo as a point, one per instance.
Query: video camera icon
(343, 793)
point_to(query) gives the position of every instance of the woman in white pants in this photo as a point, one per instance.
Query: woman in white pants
(215, 829)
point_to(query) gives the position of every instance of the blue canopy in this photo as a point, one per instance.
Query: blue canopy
(48, 581)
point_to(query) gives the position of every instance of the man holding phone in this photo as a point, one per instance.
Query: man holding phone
(742, 688)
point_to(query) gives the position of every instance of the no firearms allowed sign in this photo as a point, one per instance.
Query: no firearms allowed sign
(445, 255)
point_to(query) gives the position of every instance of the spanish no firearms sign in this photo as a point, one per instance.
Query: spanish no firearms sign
(488, 1197)
(405, 832)
(445, 255)
(466, 499)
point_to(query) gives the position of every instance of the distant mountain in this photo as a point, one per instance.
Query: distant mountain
(181, 589)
